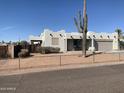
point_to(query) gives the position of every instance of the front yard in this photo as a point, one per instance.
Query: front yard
(39, 60)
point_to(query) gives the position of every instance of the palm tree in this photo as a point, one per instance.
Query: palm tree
(81, 25)
(119, 32)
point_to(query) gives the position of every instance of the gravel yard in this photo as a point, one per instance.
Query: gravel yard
(39, 60)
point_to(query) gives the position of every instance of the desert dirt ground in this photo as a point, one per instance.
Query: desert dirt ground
(39, 60)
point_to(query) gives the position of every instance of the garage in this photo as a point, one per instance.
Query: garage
(104, 45)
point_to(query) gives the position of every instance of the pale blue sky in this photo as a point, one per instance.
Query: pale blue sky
(21, 18)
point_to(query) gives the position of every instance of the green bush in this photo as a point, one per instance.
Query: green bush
(24, 53)
(46, 50)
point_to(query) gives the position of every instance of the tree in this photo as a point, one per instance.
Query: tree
(24, 44)
(119, 32)
(10, 42)
(81, 25)
(3, 41)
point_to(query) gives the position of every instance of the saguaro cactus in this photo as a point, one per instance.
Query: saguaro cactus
(81, 25)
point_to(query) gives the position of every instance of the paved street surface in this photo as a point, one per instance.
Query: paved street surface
(107, 79)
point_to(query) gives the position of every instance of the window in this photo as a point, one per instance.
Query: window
(55, 41)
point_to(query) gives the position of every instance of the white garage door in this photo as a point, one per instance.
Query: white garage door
(104, 45)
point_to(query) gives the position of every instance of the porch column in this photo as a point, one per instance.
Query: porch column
(92, 45)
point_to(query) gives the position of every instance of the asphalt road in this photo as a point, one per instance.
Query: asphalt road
(107, 79)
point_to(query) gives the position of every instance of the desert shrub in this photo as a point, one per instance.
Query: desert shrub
(46, 50)
(24, 53)
(54, 50)
(37, 49)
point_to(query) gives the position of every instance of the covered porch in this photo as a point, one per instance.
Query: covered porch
(76, 44)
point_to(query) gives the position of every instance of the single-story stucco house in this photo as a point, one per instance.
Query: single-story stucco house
(73, 41)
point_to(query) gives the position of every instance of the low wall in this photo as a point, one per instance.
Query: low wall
(11, 51)
(3, 51)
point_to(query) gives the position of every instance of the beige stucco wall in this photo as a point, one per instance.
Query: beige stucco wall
(11, 51)
(47, 39)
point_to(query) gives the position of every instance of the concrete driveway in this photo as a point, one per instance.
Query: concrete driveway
(106, 79)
